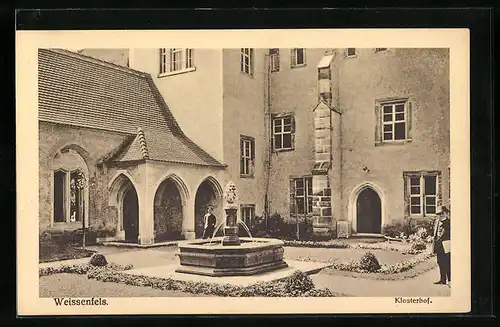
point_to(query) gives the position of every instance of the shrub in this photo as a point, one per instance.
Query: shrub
(277, 227)
(393, 230)
(98, 260)
(418, 246)
(44, 236)
(369, 262)
(299, 283)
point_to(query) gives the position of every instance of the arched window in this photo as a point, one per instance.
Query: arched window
(70, 190)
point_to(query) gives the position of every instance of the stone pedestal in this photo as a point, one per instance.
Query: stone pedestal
(231, 229)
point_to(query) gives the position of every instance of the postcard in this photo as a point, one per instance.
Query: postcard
(314, 171)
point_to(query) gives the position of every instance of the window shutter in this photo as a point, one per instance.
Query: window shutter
(252, 150)
(242, 60)
(292, 197)
(378, 125)
(406, 195)
(409, 121)
(293, 132)
(251, 61)
(271, 132)
(293, 57)
(439, 197)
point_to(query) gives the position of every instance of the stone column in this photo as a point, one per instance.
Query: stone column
(146, 206)
(188, 219)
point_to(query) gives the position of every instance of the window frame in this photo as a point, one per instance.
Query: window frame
(282, 131)
(274, 66)
(250, 207)
(380, 123)
(83, 196)
(166, 61)
(347, 55)
(250, 54)
(422, 196)
(307, 196)
(293, 58)
(244, 139)
(380, 50)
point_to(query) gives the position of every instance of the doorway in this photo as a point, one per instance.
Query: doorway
(131, 215)
(368, 212)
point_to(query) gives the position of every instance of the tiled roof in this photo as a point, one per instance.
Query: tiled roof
(81, 91)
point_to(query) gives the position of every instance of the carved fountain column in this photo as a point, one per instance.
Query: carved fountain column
(231, 209)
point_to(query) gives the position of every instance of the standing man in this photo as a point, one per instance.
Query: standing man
(441, 245)
(209, 223)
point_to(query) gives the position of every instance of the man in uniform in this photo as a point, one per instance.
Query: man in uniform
(209, 223)
(441, 245)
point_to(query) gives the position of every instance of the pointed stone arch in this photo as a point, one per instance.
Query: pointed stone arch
(208, 192)
(124, 198)
(352, 209)
(169, 206)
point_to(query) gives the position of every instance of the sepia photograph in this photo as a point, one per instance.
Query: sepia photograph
(260, 172)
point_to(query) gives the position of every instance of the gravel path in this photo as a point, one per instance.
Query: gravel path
(73, 285)
(421, 285)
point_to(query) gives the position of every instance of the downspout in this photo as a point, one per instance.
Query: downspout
(267, 143)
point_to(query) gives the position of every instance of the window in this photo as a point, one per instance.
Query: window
(60, 196)
(301, 196)
(68, 196)
(393, 121)
(248, 214)
(247, 156)
(298, 57)
(176, 60)
(350, 52)
(380, 49)
(422, 193)
(283, 132)
(247, 61)
(274, 59)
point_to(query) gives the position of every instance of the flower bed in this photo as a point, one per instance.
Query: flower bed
(356, 266)
(297, 285)
(317, 244)
(405, 248)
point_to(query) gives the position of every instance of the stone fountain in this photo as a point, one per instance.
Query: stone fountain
(230, 255)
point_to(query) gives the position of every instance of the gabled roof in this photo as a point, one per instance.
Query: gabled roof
(322, 102)
(77, 90)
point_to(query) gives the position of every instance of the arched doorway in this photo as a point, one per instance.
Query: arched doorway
(368, 212)
(131, 215)
(168, 211)
(209, 193)
(123, 210)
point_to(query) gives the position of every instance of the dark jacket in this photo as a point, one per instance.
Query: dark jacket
(441, 233)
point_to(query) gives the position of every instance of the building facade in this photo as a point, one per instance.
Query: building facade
(351, 139)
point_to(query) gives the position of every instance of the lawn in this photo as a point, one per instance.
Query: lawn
(73, 285)
(324, 254)
(50, 251)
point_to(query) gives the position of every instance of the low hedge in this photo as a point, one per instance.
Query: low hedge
(317, 244)
(297, 285)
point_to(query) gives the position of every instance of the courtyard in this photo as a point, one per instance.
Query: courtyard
(415, 281)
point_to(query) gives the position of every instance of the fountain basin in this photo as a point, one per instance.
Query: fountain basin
(211, 258)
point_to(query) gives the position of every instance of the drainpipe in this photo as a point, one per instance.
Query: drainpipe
(267, 124)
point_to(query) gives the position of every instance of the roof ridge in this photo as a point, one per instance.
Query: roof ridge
(100, 62)
(142, 143)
